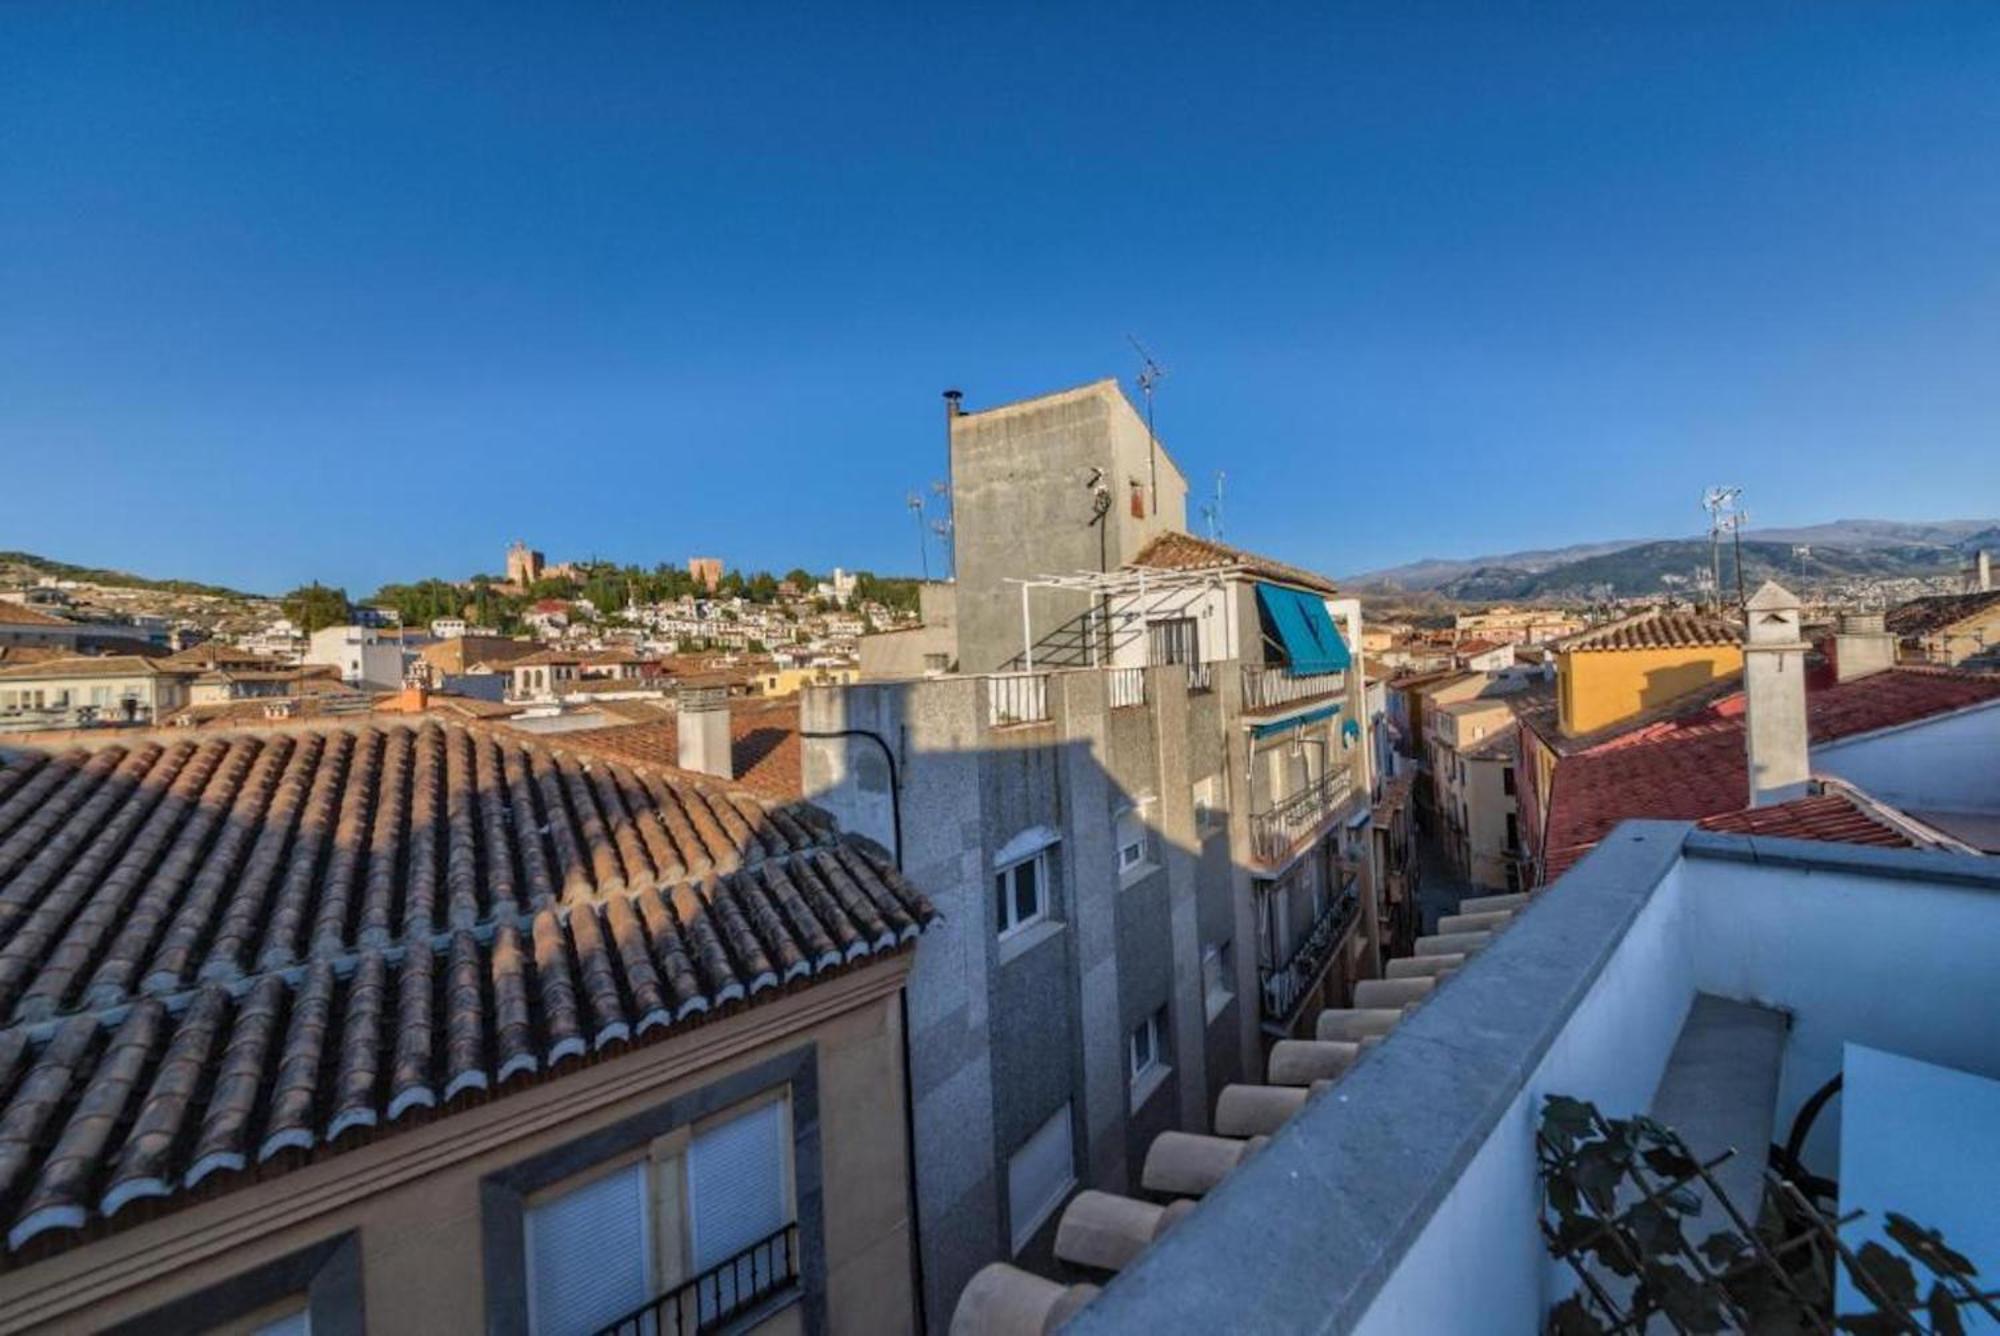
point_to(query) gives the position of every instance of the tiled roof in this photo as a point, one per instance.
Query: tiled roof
(1833, 817)
(1921, 616)
(223, 956)
(95, 665)
(1694, 766)
(20, 614)
(1656, 630)
(764, 745)
(1185, 552)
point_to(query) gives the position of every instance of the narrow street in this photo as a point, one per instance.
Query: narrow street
(1442, 885)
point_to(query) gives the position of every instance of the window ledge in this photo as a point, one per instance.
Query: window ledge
(1149, 1084)
(1217, 1004)
(1137, 873)
(1026, 939)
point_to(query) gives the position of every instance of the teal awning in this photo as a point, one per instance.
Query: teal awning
(1303, 626)
(1290, 722)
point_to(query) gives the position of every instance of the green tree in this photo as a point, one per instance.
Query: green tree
(316, 606)
(801, 579)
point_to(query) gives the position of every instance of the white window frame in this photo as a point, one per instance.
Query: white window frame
(1006, 889)
(1218, 982)
(1145, 1049)
(1026, 1222)
(1134, 858)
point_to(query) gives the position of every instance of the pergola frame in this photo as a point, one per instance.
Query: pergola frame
(1131, 581)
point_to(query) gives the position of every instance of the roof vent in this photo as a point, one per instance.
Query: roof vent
(702, 732)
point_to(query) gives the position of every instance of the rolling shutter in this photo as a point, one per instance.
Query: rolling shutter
(587, 1255)
(736, 1185)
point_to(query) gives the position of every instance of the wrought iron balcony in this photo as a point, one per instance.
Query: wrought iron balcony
(722, 1294)
(1017, 698)
(1280, 829)
(1266, 687)
(1127, 687)
(1282, 987)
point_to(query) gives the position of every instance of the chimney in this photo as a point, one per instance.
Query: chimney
(1774, 696)
(951, 403)
(1862, 646)
(1981, 574)
(702, 732)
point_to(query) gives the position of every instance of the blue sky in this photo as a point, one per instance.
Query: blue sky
(361, 292)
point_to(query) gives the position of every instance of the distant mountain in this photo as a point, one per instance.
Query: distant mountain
(1841, 549)
(26, 568)
(1650, 568)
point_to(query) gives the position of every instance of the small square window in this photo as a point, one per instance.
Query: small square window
(1132, 841)
(1147, 1046)
(1218, 978)
(1020, 893)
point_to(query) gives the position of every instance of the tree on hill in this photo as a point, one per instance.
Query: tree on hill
(801, 579)
(316, 606)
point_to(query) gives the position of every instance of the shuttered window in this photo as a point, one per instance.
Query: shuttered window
(737, 1197)
(587, 1254)
(1039, 1176)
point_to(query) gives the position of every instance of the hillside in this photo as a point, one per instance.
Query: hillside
(25, 568)
(1648, 568)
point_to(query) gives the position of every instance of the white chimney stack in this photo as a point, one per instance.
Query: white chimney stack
(1861, 646)
(702, 732)
(1774, 696)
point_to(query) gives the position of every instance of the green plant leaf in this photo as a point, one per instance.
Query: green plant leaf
(1565, 1120)
(1927, 1246)
(1669, 1162)
(1874, 1324)
(1943, 1309)
(1890, 1273)
(1572, 1317)
(1684, 1299)
(1721, 1249)
(1654, 1229)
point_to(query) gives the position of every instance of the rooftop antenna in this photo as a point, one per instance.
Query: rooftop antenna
(1150, 375)
(915, 502)
(1211, 511)
(1724, 517)
(944, 528)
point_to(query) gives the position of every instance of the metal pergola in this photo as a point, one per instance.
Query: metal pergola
(1126, 582)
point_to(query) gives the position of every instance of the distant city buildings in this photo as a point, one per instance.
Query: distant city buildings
(707, 572)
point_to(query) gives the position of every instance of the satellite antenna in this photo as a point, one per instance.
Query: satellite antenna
(1150, 375)
(915, 502)
(943, 528)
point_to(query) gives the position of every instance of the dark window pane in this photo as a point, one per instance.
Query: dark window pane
(1024, 891)
(1000, 897)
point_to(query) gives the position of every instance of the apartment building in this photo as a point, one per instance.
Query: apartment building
(1949, 629)
(1473, 750)
(422, 1028)
(79, 689)
(1150, 843)
(362, 655)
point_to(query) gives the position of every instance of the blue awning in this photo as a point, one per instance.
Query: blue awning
(1312, 642)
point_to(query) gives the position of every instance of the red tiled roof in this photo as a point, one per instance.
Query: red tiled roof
(1479, 646)
(1184, 552)
(20, 614)
(764, 744)
(1656, 630)
(221, 957)
(1921, 616)
(1833, 817)
(1694, 766)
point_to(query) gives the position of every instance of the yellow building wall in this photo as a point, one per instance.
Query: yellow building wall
(1599, 688)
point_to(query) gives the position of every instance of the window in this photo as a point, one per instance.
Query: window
(1218, 978)
(1173, 640)
(1021, 892)
(1208, 804)
(1507, 780)
(1039, 1176)
(1131, 840)
(588, 1253)
(1147, 1046)
(599, 1248)
(296, 1322)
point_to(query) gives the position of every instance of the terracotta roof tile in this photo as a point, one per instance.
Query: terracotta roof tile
(226, 955)
(1825, 816)
(1921, 616)
(1695, 766)
(1184, 552)
(1655, 630)
(764, 745)
(20, 614)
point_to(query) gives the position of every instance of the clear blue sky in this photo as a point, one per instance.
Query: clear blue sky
(363, 291)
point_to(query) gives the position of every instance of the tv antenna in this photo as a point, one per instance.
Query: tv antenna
(915, 501)
(943, 528)
(1151, 373)
(1725, 517)
(1211, 511)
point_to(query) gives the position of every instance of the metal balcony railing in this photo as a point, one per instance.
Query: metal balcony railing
(1201, 677)
(721, 1294)
(1281, 987)
(1127, 686)
(1266, 687)
(1017, 698)
(1281, 828)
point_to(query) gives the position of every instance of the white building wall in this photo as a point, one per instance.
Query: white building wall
(1949, 763)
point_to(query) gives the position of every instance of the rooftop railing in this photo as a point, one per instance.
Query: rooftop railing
(1127, 687)
(1288, 823)
(1266, 687)
(1017, 698)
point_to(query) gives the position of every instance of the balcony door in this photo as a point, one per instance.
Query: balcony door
(1173, 640)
